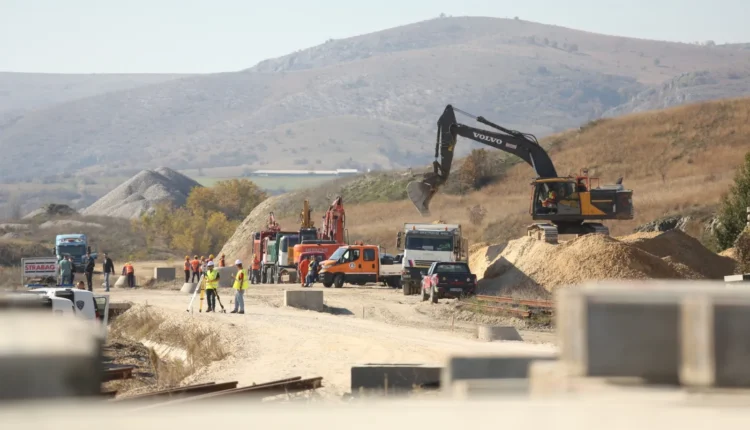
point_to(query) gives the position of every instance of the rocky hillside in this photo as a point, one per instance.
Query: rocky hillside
(141, 193)
(369, 101)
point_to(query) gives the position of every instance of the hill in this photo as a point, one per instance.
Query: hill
(28, 91)
(679, 160)
(369, 101)
(141, 193)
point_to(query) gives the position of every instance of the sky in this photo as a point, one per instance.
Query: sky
(206, 36)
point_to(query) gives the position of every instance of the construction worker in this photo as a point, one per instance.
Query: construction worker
(210, 258)
(196, 266)
(550, 203)
(240, 285)
(186, 266)
(212, 282)
(312, 273)
(202, 269)
(256, 269)
(222, 263)
(81, 285)
(129, 272)
(304, 267)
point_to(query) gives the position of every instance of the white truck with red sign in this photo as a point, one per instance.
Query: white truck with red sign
(39, 272)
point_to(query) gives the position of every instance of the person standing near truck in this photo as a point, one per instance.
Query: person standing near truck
(108, 268)
(89, 271)
(72, 269)
(65, 271)
(240, 285)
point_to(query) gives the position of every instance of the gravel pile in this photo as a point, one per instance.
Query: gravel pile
(239, 246)
(141, 193)
(530, 268)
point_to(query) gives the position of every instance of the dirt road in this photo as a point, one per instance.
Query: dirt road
(271, 342)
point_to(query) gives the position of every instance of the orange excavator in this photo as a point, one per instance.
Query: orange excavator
(324, 242)
(259, 242)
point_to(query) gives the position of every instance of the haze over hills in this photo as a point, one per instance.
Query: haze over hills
(371, 101)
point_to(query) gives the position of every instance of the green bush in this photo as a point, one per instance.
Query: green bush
(732, 214)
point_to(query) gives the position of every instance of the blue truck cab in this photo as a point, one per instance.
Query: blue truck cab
(75, 245)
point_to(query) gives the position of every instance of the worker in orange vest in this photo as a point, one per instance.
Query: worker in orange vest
(221, 261)
(186, 266)
(304, 267)
(129, 272)
(195, 264)
(256, 270)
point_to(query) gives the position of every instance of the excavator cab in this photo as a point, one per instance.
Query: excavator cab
(553, 198)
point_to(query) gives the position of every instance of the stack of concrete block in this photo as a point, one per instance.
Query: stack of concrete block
(652, 332)
(46, 356)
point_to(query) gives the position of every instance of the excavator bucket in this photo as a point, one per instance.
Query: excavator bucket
(420, 194)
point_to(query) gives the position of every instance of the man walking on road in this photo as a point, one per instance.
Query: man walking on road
(108, 268)
(196, 266)
(240, 285)
(89, 271)
(212, 282)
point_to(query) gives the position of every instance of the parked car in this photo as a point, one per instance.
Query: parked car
(448, 279)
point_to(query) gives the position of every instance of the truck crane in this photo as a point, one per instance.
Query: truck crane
(561, 205)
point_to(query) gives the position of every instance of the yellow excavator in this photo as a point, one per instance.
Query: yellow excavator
(560, 205)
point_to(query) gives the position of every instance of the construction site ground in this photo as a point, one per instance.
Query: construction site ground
(360, 325)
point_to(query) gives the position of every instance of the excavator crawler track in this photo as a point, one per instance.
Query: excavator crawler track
(545, 232)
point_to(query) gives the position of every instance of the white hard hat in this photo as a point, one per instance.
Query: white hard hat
(237, 263)
(210, 263)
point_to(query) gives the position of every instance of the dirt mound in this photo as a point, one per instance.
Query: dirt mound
(683, 249)
(69, 223)
(52, 209)
(141, 193)
(530, 268)
(239, 246)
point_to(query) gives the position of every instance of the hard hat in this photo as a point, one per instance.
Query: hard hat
(187, 257)
(210, 264)
(195, 256)
(211, 256)
(238, 263)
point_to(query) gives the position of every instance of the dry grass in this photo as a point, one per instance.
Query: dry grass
(202, 345)
(676, 160)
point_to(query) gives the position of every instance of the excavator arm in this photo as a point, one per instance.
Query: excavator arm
(525, 146)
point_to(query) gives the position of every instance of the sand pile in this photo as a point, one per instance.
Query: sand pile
(141, 193)
(530, 268)
(240, 244)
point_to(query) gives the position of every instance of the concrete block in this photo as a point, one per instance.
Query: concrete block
(304, 299)
(474, 388)
(226, 276)
(122, 282)
(165, 274)
(715, 343)
(548, 378)
(493, 332)
(66, 361)
(189, 287)
(393, 378)
(624, 329)
(496, 366)
(737, 278)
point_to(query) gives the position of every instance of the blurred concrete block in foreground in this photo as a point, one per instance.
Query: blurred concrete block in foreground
(48, 356)
(624, 329)
(393, 378)
(489, 333)
(716, 342)
(510, 370)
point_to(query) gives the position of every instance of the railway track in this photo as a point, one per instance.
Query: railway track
(518, 307)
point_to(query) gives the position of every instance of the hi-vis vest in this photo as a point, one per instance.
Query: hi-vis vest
(211, 281)
(241, 284)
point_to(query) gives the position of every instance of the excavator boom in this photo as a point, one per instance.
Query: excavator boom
(523, 145)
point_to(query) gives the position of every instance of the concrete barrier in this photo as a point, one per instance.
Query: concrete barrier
(489, 333)
(189, 287)
(484, 367)
(715, 346)
(227, 275)
(393, 378)
(304, 299)
(165, 274)
(66, 361)
(624, 329)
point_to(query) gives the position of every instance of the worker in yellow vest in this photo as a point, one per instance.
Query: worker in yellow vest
(212, 282)
(240, 285)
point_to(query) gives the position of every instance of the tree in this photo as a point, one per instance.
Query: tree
(235, 198)
(732, 214)
(476, 171)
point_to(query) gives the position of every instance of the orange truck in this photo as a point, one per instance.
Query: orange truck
(358, 264)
